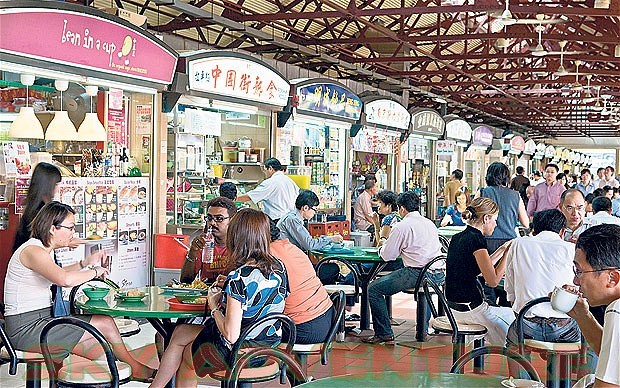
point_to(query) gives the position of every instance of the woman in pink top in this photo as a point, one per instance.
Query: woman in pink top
(308, 304)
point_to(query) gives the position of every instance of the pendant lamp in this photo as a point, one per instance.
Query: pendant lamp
(91, 128)
(61, 127)
(26, 125)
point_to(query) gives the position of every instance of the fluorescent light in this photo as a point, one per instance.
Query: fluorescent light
(440, 100)
(61, 128)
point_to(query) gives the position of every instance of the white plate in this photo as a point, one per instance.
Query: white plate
(511, 383)
(370, 250)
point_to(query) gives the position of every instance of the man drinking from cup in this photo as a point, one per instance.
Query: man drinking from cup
(597, 273)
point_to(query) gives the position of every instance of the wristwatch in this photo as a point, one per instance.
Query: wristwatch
(213, 312)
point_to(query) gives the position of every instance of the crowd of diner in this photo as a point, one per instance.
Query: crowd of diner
(520, 239)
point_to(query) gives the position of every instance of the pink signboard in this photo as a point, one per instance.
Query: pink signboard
(84, 41)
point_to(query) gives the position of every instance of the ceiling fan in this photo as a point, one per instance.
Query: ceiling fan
(506, 18)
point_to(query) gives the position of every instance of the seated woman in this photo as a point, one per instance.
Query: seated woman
(308, 304)
(455, 210)
(28, 300)
(467, 258)
(386, 201)
(292, 225)
(256, 288)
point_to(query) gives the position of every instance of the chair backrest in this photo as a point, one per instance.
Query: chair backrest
(283, 357)
(427, 284)
(346, 263)
(501, 350)
(445, 243)
(74, 291)
(6, 343)
(424, 272)
(519, 326)
(338, 299)
(47, 356)
(277, 317)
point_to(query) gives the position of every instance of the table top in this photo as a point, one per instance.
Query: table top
(416, 379)
(360, 254)
(154, 305)
(449, 231)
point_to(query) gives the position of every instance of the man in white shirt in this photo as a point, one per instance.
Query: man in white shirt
(597, 273)
(600, 173)
(415, 239)
(277, 192)
(601, 206)
(534, 264)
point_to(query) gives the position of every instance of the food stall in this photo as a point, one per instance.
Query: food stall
(102, 75)
(476, 157)
(458, 133)
(419, 168)
(313, 141)
(528, 154)
(383, 123)
(539, 154)
(221, 126)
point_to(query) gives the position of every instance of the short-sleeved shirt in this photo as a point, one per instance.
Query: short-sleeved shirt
(278, 195)
(259, 296)
(222, 263)
(362, 206)
(462, 268)
(455, 214)
(607, 369)
(450, 191)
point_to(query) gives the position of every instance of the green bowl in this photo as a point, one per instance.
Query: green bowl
(96, 293)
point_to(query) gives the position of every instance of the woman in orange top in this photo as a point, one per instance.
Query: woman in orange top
(308, 304)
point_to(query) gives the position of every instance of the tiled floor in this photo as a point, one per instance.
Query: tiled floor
(349, 357)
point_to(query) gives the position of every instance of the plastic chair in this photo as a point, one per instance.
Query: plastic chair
(13, 357)
(476, 353)
(302, 351)
(448, 324)
(294, 368)
(266, 372)
(126, 326)
(421, 325)
(89, 373)
(558, 353)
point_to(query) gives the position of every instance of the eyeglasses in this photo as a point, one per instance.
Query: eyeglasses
(578, 273)
(71, 228)
(571, 209)
(217, 219)
(313, 209)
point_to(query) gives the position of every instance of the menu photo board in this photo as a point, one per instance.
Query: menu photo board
(15, 159)
(329, 99)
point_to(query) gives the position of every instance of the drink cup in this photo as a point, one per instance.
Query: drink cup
(563, 300)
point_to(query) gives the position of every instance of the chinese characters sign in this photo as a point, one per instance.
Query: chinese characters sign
(445, 147)
(482, 136)
(238, 77)
(517, 145)
(388, 113)
(458, 129)
(84, 41)
(427, 122)
(330, 99)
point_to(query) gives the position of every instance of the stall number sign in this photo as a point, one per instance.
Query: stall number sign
(458, 130)
(388, 113)
(238, 77)
(330, 99)
(445, 147)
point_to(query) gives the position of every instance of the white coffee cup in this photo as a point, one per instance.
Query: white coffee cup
(563, 300)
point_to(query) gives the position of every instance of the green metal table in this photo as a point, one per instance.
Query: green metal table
(359, 257)
(449, 231)
(396, 379)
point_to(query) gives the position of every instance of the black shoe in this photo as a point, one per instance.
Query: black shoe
(380, 339)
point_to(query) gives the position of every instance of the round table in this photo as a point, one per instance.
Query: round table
(416, 379)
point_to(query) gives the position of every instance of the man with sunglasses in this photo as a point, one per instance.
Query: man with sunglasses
(597, 273)
(219, 212)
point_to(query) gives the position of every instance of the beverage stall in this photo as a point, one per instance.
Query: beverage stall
(94, 119)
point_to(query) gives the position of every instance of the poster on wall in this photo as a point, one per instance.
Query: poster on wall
(16, 159)
(144, 119)
(117, 118)
(113, 214)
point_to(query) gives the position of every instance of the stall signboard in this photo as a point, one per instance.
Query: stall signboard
(446, 147)
(458, 129)
(517, 145)
(84, 38)
(557, 155)
(237, 76)
(549, 151)
(329, 99)
(112, 214)
(375, 141)
(565, 154)
(388, 113)
(482, 135)
(541, 147)
(538, 155)
(427, 122)
(530, 147)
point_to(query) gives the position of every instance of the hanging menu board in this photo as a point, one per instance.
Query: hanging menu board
(114, 213)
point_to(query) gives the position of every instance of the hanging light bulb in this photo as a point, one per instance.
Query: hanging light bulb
(91, 128)
(26, 125)
(61, 127)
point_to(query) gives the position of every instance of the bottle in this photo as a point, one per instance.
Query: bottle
(207, 251)
(124, 163)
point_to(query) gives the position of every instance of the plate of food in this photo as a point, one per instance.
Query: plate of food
(175, 304)
(191, 299)
(132, 295)
(196, 287)
(514, 383)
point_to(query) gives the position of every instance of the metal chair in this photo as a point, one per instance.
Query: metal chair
(13, 357)
(294, 368)
(448, 324)
(558, 354)
(445, 243)
(476, 353)
(88, 373)
(126, 326)
(268, 371)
